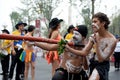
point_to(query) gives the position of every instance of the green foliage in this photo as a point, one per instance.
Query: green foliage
(86, 15)
(45, 7)
(61, 44)
(27, 12)
(115, 25)
(15, 17)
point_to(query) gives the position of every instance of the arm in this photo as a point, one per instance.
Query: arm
(85, 63)
(104, 54)
(54, 34)
(47, 46)
(85, 51)
(7, 46)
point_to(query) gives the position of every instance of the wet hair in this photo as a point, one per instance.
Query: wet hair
(103, 18)
(83, 30)
(31, 28)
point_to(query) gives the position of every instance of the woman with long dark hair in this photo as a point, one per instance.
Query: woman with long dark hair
(52, 56)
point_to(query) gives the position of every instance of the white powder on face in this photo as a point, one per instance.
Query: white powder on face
(93, 24)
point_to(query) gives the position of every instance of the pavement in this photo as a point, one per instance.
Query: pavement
(43, 71)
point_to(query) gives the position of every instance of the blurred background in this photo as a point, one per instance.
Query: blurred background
(40, 12)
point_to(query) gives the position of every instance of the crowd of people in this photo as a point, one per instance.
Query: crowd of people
(72, 64)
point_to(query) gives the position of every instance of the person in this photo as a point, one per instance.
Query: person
(16, 51)
(6, 45)
(70, 32)
(105, 43)
(71, 66)
(52, 56)
(30, 55)
(117, 54)
(91, 59)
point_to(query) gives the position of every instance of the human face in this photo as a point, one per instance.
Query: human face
(59, 25)
(77, 36)
(21, 27)
(72, 30)
(96, 25)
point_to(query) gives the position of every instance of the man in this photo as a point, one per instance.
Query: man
(71, 65)
(105, 43)
(16, 51)
(6, 44)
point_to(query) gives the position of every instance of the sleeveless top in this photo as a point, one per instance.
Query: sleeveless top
(53, 55)
(29, 53)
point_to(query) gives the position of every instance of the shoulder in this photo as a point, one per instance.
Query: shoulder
(55, 32)
(67, 34)
(27, 34)
(15, 32)
(111, 40)
(8, 41)
(112, 37)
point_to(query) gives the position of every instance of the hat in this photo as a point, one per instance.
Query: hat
(70, 27)
(20, 23)
(82, 29)
(54, 23)
(5, 30)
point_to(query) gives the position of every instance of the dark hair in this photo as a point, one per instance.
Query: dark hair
(25, 30)
(83, 30)
(20, 23)
(103, 18)
(31, 28)
(54, 23)
(6, 31)
(70, 27)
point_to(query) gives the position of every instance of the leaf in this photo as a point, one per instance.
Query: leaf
(62, 44)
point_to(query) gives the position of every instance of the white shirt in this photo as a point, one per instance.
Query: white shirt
(117, 48)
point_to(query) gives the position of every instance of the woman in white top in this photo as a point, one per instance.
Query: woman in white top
(117, 54)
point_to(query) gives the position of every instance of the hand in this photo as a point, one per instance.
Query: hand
(3, 47)
(30, 43)
(66, 46)
(13, 52)
(92, 38)
(35, 43)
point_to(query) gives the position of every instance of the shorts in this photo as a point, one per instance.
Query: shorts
(102, 68)
(62, 74)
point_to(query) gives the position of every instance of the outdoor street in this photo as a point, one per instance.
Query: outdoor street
(43, 71)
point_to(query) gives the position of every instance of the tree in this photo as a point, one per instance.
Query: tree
(115, 25)
(15, 18)
(45, 8)
(27, 12)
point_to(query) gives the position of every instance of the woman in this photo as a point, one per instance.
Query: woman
(117, 54)
(5, 45)
(30, 55)
(52, 56)
(70, 32)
